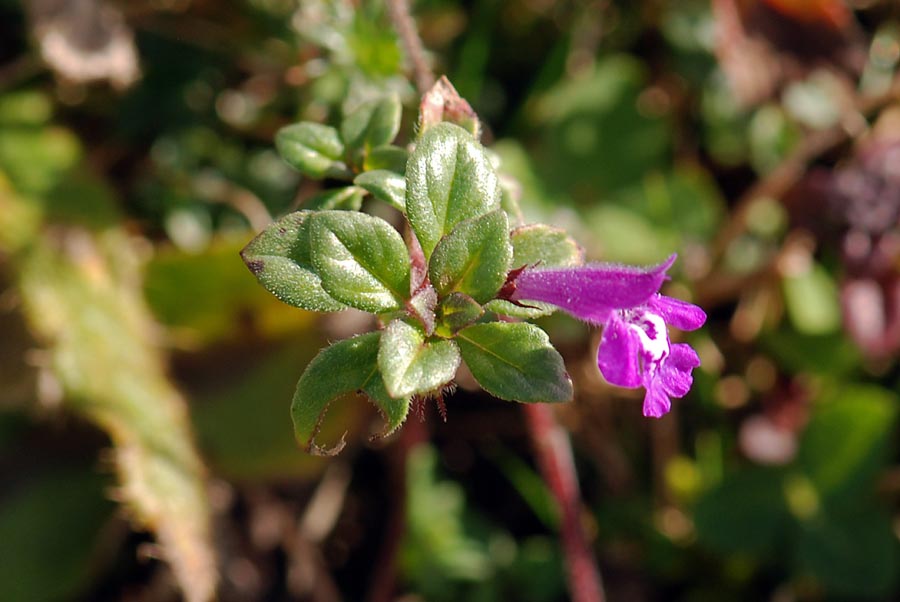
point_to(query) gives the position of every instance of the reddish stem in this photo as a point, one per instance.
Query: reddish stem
(557, 466)
(398, 10)
(384, 580)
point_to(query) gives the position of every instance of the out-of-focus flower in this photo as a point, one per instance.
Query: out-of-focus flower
(85, 41)
(635, 349)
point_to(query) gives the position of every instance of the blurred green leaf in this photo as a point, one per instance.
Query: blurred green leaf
(36, 159)
(391, 158)
(411, 364)
(223, 294)
(374, 45)
(25, 107)
(745, 513)
(596, 140)
(515, 361)
(437, 549)
(312, 148)
(386, 186)
(845, 441)
(829, 354)
(665, 210)
(370, 125)
(811, 299)
(853, 554)
(449, 179)
(250, 381)
(473, 258)
(771, 135)
(540, 244)
(50, 527)
(361, 259)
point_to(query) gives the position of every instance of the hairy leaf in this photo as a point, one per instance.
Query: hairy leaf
(413, 364)
(474, 258)
(384, 185)
(361, 259)
(449, 179)
(280, 259)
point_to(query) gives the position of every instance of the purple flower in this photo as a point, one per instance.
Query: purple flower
(635, 349)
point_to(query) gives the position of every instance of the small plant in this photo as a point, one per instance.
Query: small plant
(455, 284)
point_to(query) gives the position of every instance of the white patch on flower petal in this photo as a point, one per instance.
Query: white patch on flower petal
(651, 331)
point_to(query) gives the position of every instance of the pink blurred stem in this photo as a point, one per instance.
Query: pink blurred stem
(557, 466)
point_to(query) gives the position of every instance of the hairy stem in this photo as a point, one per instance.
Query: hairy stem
(557, 466)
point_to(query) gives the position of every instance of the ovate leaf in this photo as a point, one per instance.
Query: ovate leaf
(410, 363)
(280, 259)
(344, 367)
(361, 259)
(515, 361)
(384, 185)
(449, 179)
(372, 124)
(540, 244)
(312, 148)
(474, 258)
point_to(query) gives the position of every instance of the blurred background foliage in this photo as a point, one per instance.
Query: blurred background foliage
(145, 377)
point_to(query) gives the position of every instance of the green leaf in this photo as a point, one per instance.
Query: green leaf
(387, 186)
(52, 529)
(344, 367)
(393, 410)
(372, 124)
(853, 553)
(744, 513)
(312, 148)
(844, 445)
(361, 259)
(540, 244)
(348, 198)
(510, 194)
(411, 364)
(449, 179)
(280, 259)
(474, 258)
(459, 310)
(811, 299)
(515, 361)
(389, 157)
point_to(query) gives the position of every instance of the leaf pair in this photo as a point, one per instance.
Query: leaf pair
(331, 260)
(321, 151)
